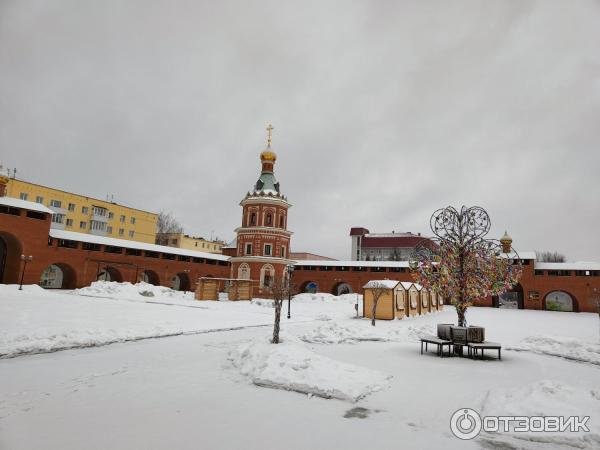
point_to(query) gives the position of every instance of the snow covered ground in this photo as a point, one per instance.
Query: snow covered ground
(334, 382)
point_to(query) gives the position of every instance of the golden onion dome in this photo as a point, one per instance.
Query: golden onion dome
(268, 155)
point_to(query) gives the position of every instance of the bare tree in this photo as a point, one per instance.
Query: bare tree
(166, 224)
(548, 256)
(280, 290)
(377, 289)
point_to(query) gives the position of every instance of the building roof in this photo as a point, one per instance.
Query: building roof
(309, 256)
(388, 284)
(315, 262)
(358, 231)
(579, 265)
(93, 239)
(404, 240)
(24, 204)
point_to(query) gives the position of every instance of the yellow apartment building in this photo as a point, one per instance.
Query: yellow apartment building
(74, 212)
(189, 242)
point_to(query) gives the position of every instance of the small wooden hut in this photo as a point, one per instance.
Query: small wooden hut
(385, 305)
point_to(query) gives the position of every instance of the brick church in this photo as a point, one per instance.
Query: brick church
(263, 241)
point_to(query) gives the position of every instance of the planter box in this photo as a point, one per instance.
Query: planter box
(475, 334)
(444, 331)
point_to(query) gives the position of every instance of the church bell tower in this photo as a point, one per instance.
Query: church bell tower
(263, 240)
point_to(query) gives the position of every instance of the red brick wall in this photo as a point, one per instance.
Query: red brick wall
(30, 237)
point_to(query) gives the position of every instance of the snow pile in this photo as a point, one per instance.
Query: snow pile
(334, 332)
(564, 347)
(112, 289)
(543, 398)
(262, 302)
(352, 332)
(322, 297)
(292, 366)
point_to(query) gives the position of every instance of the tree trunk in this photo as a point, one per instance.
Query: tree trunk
(277, 320)
(460, 304)
(461, 310)
(373, 312)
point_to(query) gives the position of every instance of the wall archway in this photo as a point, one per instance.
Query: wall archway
(310, 287)
(181, 282)
(109, 273)
(511, 299)
(58, 276)
(10, 258)
(342, 288)
(150, 277)
(560, 301)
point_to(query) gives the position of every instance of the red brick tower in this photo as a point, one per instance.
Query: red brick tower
(263, 241)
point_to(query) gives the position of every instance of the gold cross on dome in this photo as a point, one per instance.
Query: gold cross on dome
(269, 134)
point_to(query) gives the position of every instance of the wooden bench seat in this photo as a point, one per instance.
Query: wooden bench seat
(474, 347)
(429, 339)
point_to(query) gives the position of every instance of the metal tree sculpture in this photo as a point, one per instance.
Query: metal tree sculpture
(460, 263)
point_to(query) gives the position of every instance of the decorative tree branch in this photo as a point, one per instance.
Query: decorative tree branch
(463, 266)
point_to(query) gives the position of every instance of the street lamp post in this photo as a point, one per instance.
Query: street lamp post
(25, 260)
(290, 270)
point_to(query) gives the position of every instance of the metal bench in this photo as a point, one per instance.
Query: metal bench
(438, 342)
(475, 347)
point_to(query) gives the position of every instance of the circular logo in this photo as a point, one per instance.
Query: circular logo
(465, 423)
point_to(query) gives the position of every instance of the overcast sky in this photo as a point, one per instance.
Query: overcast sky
(383, 111)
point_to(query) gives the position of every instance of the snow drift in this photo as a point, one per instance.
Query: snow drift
(292, 366)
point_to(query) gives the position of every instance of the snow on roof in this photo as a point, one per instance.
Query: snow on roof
(315, 262)
(406, 284)
(388, 284)
(23, 204)
(578, 265)
(93, 239)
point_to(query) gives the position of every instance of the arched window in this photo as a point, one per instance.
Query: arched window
(269, 219)
(267, 275)
(253, 218)
(281, 221)
(244, 272)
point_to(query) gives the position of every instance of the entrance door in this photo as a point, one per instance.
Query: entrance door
(2, 259)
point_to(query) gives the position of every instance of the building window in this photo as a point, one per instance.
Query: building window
(121, 231)
(82, 225)
(253, 219)
(174, 241)
(23, 196)
(269, 220)
(248, 249)
(39, 199)
(99, 211)
(71, 206)
(283, 251)
(111, 215)
(133, 221)
(280, 221)
(122, 219)
(195, 244)
(58, 218)
(131, 233)
(97, 225)
(84, 210)
(109, 230)
(267, 250)
(69, 222)
(55, 203)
